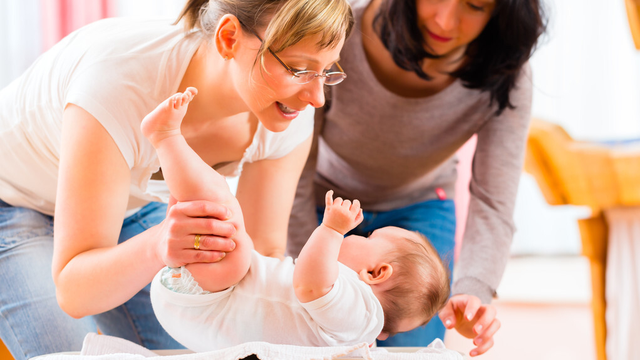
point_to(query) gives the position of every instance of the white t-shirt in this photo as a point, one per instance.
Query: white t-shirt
(118, 70)
(263, 307)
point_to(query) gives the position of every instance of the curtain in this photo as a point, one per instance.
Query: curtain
(61, 17)
(622, 290)
(20, 37)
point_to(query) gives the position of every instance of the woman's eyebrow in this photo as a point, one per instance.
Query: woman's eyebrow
(309, 58)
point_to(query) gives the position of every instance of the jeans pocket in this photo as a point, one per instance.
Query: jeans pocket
(19, 224)
(152, 215)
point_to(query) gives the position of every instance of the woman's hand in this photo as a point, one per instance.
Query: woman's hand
(471, 319)
(185, 220)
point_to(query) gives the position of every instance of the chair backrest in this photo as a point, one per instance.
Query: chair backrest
(569, 171)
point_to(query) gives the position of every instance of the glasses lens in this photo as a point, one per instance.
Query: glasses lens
(304, 77)
(335, 78)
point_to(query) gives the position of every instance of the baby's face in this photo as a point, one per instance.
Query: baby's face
(359, 252)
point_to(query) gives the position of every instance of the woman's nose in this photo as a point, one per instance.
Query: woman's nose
(313, 92)
(447, 16)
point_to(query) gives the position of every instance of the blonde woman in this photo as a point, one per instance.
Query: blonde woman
(71, 149)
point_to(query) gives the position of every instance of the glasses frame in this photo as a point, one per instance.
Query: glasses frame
(299, 73)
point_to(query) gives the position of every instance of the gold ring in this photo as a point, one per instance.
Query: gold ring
(196, 243)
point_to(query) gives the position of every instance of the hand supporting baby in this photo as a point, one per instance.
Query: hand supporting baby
(341, 215)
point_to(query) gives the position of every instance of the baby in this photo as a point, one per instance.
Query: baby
(341, 291)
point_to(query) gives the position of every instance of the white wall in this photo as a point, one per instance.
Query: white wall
(586, 78)
(587, 72)
(150, 8)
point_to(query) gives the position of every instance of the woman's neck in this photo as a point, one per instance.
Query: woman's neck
(217, 97)
(400, 81)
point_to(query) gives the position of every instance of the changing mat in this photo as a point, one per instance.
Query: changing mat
(103, 347)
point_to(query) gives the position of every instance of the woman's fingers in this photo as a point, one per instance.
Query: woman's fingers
(214, 227)
(484, 341)
(201, 218)
(482, 348)
(484, 316)
(213, 243)
(204, 248)
(196, 231)
(204, 256)
(204, 209)
(447, 314)
(473, 303)
(471, 319)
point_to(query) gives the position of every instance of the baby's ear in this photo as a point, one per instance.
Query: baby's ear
(378, 275)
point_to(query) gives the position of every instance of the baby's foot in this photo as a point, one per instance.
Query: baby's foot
(164, 121)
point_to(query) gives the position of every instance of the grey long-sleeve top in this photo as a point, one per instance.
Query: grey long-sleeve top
(390, 151)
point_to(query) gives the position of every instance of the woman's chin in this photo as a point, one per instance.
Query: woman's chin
(276, 126)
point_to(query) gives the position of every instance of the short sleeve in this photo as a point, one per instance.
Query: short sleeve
(349, 312)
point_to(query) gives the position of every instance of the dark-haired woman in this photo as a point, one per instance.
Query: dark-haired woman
(425, 76)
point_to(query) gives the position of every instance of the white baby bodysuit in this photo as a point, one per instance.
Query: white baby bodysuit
(263, 307)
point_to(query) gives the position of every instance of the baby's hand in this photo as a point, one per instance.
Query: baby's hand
(341, 215)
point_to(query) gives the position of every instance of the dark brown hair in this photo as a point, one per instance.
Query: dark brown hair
(493, 60)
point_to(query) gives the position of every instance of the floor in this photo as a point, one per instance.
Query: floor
(544, 308)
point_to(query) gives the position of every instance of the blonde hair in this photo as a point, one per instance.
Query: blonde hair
(420, 286)
(287, 22)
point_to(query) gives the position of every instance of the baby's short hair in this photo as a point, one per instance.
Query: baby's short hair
(420, 283)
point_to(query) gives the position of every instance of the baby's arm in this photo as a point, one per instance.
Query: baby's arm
(189, 178)
(316, 268)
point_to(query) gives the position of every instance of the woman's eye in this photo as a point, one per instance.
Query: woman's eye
(476, 7)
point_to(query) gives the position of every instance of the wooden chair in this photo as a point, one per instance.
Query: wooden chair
(581, 173)
(633, 15)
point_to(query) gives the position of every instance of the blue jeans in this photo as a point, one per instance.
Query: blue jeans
(436, 219)
(31, 322)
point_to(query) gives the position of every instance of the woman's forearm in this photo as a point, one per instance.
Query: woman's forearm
(101, 279)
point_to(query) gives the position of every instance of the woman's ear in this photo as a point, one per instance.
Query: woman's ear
(379, 274)
(226, 36)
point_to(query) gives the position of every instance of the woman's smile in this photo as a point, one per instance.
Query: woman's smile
(286, 111)
(438, 37)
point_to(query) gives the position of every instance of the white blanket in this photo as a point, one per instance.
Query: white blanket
(103, 347)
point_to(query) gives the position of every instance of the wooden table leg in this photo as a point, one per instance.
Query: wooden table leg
(594, 233)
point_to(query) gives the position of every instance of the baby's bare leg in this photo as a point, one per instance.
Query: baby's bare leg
(189, 179)
(187, 176)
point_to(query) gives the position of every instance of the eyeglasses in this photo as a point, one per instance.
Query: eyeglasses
(306, 76)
